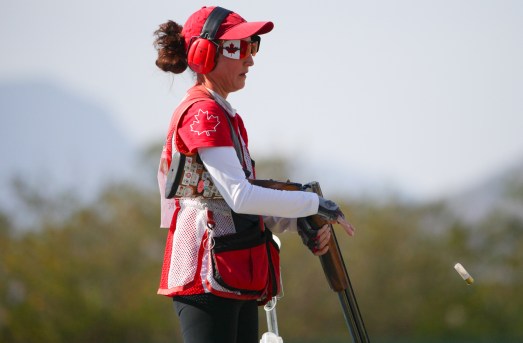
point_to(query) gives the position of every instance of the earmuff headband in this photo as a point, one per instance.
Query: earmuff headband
(213, 22)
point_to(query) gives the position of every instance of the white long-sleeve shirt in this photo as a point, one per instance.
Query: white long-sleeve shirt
(243, 197)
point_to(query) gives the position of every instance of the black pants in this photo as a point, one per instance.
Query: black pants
(207, 318)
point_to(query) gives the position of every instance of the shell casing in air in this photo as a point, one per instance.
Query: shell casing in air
(464, 274)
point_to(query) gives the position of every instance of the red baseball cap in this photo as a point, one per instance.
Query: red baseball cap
(232, 27)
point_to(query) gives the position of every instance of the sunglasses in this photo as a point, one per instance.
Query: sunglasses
(238, 49)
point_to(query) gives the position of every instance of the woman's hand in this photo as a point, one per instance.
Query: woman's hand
(324, 235)
(322, 239)
(318, 240)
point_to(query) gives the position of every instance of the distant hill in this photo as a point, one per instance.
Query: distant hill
(58, 140)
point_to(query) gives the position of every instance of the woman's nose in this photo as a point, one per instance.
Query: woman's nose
(249, 60)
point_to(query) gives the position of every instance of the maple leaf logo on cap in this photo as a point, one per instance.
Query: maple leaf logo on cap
(207, 123)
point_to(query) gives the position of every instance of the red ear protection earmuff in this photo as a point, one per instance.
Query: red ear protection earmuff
(201, 55)
(202, 50)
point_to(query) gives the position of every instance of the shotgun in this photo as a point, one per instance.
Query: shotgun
(332, 264)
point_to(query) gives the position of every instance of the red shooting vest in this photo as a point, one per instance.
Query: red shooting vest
(191, 264)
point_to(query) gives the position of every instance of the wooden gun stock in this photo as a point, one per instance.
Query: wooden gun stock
(279, 185)
(331, 262)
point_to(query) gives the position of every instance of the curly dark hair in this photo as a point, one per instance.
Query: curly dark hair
(170, 45)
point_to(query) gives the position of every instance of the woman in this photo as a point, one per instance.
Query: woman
(220, 259)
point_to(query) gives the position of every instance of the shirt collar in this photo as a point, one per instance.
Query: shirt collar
(222, 102)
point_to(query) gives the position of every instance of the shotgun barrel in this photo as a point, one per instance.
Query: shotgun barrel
(332, 263)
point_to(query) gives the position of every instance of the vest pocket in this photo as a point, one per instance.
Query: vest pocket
(240, 262)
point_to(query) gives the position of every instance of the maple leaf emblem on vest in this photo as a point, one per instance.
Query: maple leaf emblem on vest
(206, 123)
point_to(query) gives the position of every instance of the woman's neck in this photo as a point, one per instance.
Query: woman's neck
(217, 89)
(215, 86)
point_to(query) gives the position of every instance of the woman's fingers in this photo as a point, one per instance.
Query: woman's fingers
(324, 235)
(323, 238)
(346, 226)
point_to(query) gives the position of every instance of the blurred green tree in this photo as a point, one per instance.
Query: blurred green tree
(89, 273)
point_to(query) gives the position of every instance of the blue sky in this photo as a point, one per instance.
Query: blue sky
(422, 96)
